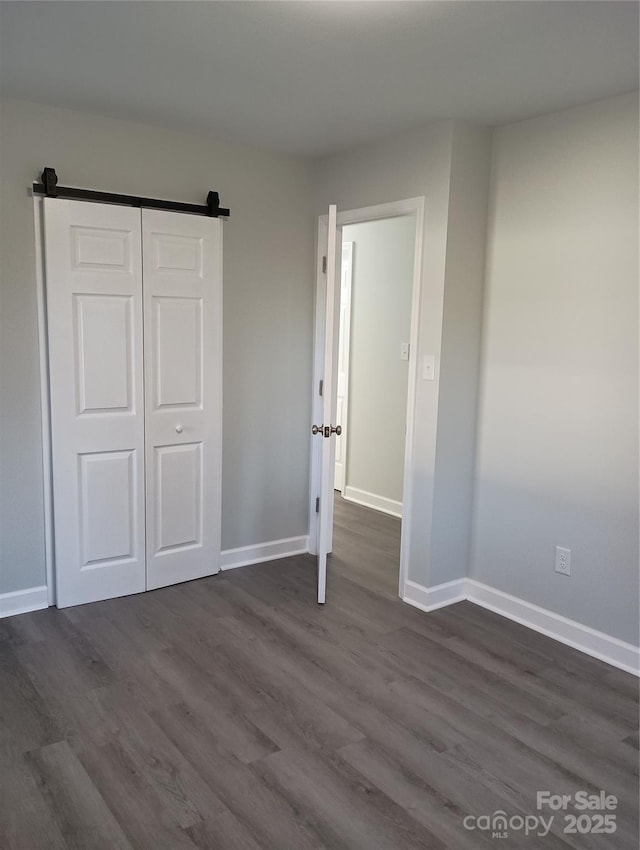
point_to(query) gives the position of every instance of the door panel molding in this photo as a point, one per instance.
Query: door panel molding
(102, 336)
(178, 477)
(178, 351)
(110, 534)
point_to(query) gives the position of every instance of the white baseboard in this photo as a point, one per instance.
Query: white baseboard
(431, 598)
(23, 601)
(613, 651)
(371, 500)
(36, 598)
(255, 554)
(599, 645)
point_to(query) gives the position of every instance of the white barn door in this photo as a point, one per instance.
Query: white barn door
(182, 259)
(134, 303)
(94, 306)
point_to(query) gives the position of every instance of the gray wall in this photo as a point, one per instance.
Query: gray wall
(558, 417)
(268, 309)
(460, 358)
(449, 164)
(380, 322)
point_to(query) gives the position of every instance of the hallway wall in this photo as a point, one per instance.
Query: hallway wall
(380, 321)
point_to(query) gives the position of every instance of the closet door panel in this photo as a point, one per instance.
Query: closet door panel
(94, 306)
(183, 362)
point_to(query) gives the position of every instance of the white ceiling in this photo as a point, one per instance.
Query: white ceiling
(315, 77)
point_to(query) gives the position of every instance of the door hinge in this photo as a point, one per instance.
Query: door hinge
(320, 388)
(324, 265)
(317, 504)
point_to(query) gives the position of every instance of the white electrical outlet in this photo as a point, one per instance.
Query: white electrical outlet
(563, 561)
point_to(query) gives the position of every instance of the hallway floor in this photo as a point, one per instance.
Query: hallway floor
(366, 547)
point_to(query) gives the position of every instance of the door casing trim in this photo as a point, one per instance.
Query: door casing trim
(45, 421)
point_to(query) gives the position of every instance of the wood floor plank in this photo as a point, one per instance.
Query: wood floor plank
(235, 713)
(18, 630)
(335, 621)
(619, 707)
(224, 832)
(68, 649)
(142, 813)
(558, 654)
(325, 666)
(609, 767)
(596, 734)
(621, 683)
(518, 772)
(82, 816)
(66, 695)
(182, 791)
(26, 719)
(464, 635)
(211, 696)
(283, 711)
(345, 809)
(271, 820)
(548, 685)
(27, 821)
(454, 673)
(254, 691)
(428, 805)
(447, 783)
(385, 615)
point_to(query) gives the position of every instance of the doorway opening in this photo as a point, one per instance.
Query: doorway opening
(374, 355)
(371, 396)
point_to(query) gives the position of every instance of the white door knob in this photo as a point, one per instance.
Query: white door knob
(178, 429)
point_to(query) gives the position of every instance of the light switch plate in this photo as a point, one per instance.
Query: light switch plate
(404, 351)
(429, 367)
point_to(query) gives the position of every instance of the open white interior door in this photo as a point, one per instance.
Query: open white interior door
(324, 431)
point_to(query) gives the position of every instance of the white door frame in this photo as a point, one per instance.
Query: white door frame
(409, 206)
(344, 342)
(45, 421)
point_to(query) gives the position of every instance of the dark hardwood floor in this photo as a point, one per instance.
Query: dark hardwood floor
(233, 712)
